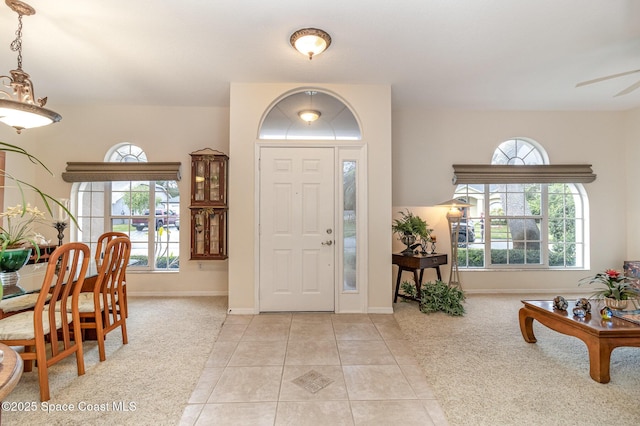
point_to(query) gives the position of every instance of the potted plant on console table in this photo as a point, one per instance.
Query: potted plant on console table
(409, 229)
(618, 291)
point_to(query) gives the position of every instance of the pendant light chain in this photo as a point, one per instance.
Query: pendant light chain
(16, 45)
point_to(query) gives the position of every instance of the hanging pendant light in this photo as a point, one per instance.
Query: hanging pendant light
(18, 108)
(310, 41)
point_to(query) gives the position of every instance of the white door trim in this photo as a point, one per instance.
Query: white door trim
(345, 301)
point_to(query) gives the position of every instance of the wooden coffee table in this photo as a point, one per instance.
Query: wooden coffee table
(600, 336)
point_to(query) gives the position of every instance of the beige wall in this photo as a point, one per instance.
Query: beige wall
(166, 134)
(632, 199)
(249, 102)
(427, 142)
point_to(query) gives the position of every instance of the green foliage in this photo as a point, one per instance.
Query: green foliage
(47, 199)
(439, 296)
(410, 224)
(408, 289)
(138, 200)
(614, 285)
(474, 258)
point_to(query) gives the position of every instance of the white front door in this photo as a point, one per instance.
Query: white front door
(297, 234)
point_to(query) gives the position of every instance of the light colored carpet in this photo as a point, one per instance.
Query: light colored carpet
(169, 342)
(484, 373)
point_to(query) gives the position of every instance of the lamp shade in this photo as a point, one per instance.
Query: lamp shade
(453, 203)
(20, 115)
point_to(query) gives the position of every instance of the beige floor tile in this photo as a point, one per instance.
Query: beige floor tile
(336, 390)
(205, 385)
(314, 413)
(364, 352)
(238, 319)
(275, 318)
(259, 353)
(310, 317)
(311, 330)
(383, 319)
(351, 318)
(267, 331)
(376, 382)
(221, 353)
(356, 331)
(390, 331)
(384, 413)
(402, 352)
(435, 412)
(237, 414)
(190, 414)
(309, 352)
(418, 381)
(231, 332)
(247, 384)
(371, 371)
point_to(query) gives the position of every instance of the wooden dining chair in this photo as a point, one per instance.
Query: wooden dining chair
(103, 309)
(99, 255)
(46, 334)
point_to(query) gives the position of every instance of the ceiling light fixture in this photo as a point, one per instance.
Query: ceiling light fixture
(309, 115)
(17, 106)
(310, 41)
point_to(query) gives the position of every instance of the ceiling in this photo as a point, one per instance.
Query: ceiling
(469, 54)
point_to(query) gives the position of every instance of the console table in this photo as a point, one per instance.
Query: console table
(417, 263)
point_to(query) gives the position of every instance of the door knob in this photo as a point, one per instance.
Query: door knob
(327, 243)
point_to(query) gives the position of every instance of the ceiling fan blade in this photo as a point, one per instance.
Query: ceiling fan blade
(629, 89)
(597, 80)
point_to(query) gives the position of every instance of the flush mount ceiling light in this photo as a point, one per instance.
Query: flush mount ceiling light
(310, 41)
(18, 108)
(309, 115)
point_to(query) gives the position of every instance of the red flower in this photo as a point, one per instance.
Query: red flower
(612, 273)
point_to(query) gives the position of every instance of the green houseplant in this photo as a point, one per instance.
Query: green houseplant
(410, 228)
(616, 289)
(437, 296)
(23, 215)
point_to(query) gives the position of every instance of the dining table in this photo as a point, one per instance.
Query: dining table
(11, 367)
(22, 296)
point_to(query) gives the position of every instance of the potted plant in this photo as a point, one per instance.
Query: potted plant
(410, 228)
(23, 215)
(617, 290)
(437, 296)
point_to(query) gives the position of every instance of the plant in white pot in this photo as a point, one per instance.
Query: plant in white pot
(617, 291)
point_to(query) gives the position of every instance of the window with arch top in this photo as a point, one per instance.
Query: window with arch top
(147, 211)
(523, 225)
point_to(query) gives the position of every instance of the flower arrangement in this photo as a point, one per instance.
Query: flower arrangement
(616, 285)
(16, 231)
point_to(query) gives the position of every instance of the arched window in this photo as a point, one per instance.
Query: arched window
(147, 211)
(522, 225)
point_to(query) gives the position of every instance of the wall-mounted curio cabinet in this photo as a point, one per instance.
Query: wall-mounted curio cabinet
(208, 204)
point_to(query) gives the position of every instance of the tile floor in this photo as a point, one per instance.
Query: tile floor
(312, 369)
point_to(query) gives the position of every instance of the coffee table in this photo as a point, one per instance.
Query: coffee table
(601, 336)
